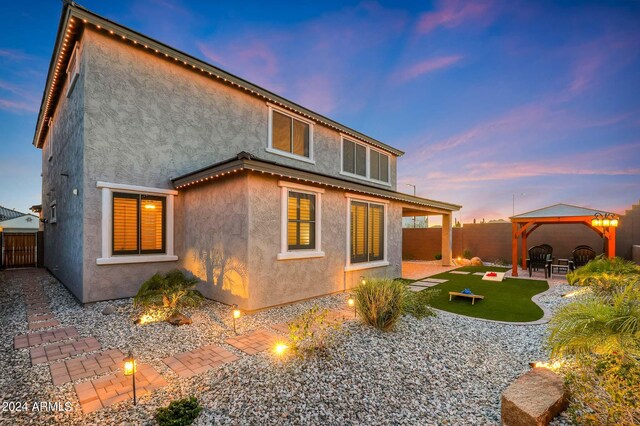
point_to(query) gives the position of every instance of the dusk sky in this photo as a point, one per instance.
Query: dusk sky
(488, 99)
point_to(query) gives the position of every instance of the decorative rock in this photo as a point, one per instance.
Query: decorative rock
(476, 261)
(534, 399)
(179, 319)
(463, 262)
(108, 310)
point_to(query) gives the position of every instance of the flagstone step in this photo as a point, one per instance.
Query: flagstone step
(85, 367)
(56, 351)
(39, 338)
(105, 391)
(199, 360)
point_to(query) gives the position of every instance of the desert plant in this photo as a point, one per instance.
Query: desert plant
(605, 390)
(417, 303)
(312, 332)
(170, 292)
(380, 302)
(593, 325)
(593, 270)
(181, 412)
(438, 256)
(466, 254)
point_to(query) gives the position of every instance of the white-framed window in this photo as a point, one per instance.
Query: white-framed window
(364, 162)
(73, 69)
(53, 212)
(290, 135)
(301, 224)
(137, 224)
(367, 232)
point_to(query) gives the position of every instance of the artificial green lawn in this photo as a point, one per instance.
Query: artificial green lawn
(509, 300)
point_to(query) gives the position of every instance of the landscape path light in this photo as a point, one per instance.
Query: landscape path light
(236, 315)
(130, 368)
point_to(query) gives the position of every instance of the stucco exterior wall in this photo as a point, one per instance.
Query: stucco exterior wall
(273, 281)
(215, 238)
(63, 240)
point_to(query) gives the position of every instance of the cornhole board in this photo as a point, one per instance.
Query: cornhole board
(499, 276)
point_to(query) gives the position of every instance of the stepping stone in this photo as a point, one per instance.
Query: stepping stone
(43, 324)
(255, 342)
(199, 360)
(106, 391)
(88, 366)
(459, 272)
(30, 300)
(49, 336)
(416, 289)
(43, 317)
(434, 280)
(479, 273)
(424, 284)
(56, 351)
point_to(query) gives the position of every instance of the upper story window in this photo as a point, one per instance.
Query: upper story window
(73, 69)
(364, 162)
(290, 135)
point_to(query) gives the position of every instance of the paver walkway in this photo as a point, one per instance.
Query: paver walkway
(88, 366)
(105, 391)
(199, 360)
(254, 342)
(54, 352)
(49, 336)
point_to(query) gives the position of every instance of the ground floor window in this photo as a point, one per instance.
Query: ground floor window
(301, 221)
(138, 223)
(367, 232)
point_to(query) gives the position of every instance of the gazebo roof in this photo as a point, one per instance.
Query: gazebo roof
(558, 210)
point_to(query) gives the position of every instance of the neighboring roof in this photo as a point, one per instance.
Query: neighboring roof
(248, 162)
(6, 213)
(559, 210)
(75, 17)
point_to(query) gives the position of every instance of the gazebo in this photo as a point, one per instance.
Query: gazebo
(522, 225)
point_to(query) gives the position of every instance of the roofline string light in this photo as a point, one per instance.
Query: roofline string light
(193, 67)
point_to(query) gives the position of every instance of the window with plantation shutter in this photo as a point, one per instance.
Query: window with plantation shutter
(301, 219)
(138, 223)
(367, 232)
(364, 162)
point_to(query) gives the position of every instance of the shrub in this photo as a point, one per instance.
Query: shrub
(312, 332)
(466, 254)
(605, 390)
(181, 412)
(594, 270)
(171, 292)
(380, 302)
(439, 256)
(417, 303)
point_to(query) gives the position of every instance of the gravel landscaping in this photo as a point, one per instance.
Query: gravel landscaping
(440, 370)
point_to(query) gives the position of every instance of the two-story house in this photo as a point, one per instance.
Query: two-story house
(154, 160)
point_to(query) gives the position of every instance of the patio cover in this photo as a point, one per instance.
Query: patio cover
(524, 224)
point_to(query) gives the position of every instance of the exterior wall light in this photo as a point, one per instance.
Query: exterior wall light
(130, 368)
(605, 220)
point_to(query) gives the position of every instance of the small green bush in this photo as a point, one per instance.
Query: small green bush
(181, 412)
(593, 271)
(466, 254)
(417, 304)
(380, 302)
(171, 292)
(312, 332)
(439, 256)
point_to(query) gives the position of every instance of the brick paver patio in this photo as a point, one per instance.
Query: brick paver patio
(85, 367)
(199, 360)
(252, 343)
(106, 391)
(49, 336)
(56, 351)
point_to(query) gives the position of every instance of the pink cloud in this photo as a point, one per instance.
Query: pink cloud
(454, 13)
(427, 66)
(17, 106)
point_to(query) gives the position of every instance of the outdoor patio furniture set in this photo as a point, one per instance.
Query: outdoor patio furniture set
(541, 257)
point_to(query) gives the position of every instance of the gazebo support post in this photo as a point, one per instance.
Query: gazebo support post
(524, 250)
(611, 243)
(514, 249)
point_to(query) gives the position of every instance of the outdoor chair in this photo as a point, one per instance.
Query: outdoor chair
(540, 257)
(582, 255)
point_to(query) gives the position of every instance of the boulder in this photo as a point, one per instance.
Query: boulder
(108, 310)
(179, 319)
(534, 399)
(463, 262)
(476, 261)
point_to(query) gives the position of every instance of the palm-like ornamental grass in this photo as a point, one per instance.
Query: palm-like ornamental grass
(380, 302)
(595, 269)
(171, 291)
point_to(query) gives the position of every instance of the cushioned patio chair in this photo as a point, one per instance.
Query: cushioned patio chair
(540, 257)
(582, 255)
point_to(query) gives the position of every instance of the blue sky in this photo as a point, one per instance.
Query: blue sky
(488, 98)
